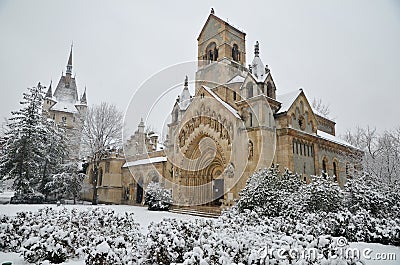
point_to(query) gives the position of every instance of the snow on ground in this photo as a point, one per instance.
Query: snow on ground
(6, 196)
(143, 216)
(16, 259)
(377, 254)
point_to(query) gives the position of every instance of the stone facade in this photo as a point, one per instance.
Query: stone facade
(234, 124)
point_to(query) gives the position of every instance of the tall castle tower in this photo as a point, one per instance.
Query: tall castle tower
(64, 106)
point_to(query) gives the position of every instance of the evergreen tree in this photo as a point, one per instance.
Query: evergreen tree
(54, 157)
(21, 159)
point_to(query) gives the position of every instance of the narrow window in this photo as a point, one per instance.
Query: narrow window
(335, 171)
(234, 95)
(235, 53)
(324, 166)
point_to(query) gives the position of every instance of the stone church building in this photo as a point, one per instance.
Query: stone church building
(235, 123)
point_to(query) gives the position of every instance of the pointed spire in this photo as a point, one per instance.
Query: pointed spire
(83, 98)
(256, 49)
(69, 65)
(49, 93)
(141, 124)
(186, 83)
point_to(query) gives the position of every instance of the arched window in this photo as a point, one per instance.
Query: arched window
(212, 52)
(324, 168)
(235, 53)
(335, 170)
(251, 119)
(251, 150)
(234, 95)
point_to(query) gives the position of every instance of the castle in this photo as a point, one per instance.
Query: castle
(64, 106)
(234, 124)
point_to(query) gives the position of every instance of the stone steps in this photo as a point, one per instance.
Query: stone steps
(196, 212)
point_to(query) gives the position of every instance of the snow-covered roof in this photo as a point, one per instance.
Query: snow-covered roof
(236, 79)
(145, 161)
(258, 69)
(65, 107)
(287, 100)
(226, 105)
(334, 139)
(66, 91)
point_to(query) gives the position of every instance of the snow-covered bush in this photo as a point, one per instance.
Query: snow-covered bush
(322, 194)
(270, 193)
(169, 240)
(363, 211)
(157, 198)
(59, 234)
(367, 193)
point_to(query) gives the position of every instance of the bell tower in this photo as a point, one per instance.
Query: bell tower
(219, 40)
(221, 52)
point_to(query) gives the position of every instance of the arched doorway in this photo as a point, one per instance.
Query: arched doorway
(139, 190)
(205, 169)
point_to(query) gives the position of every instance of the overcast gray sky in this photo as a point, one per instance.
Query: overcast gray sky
(344, 52)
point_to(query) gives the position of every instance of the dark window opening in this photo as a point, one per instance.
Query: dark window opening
(335, 171)
(234, 95)
(212, 52)
(324, 167)
(235, 53)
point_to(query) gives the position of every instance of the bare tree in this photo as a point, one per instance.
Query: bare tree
(320, 107)
(101, 130)
(381, 152)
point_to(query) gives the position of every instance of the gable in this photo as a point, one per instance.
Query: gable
(301, 116)
(212, 26)
(215, 25)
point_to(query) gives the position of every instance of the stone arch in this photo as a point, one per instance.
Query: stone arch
(235, 53)
(211, 51)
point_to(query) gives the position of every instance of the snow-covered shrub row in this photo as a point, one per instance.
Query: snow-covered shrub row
(235, 238)
(362, 211)
(59, 234)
